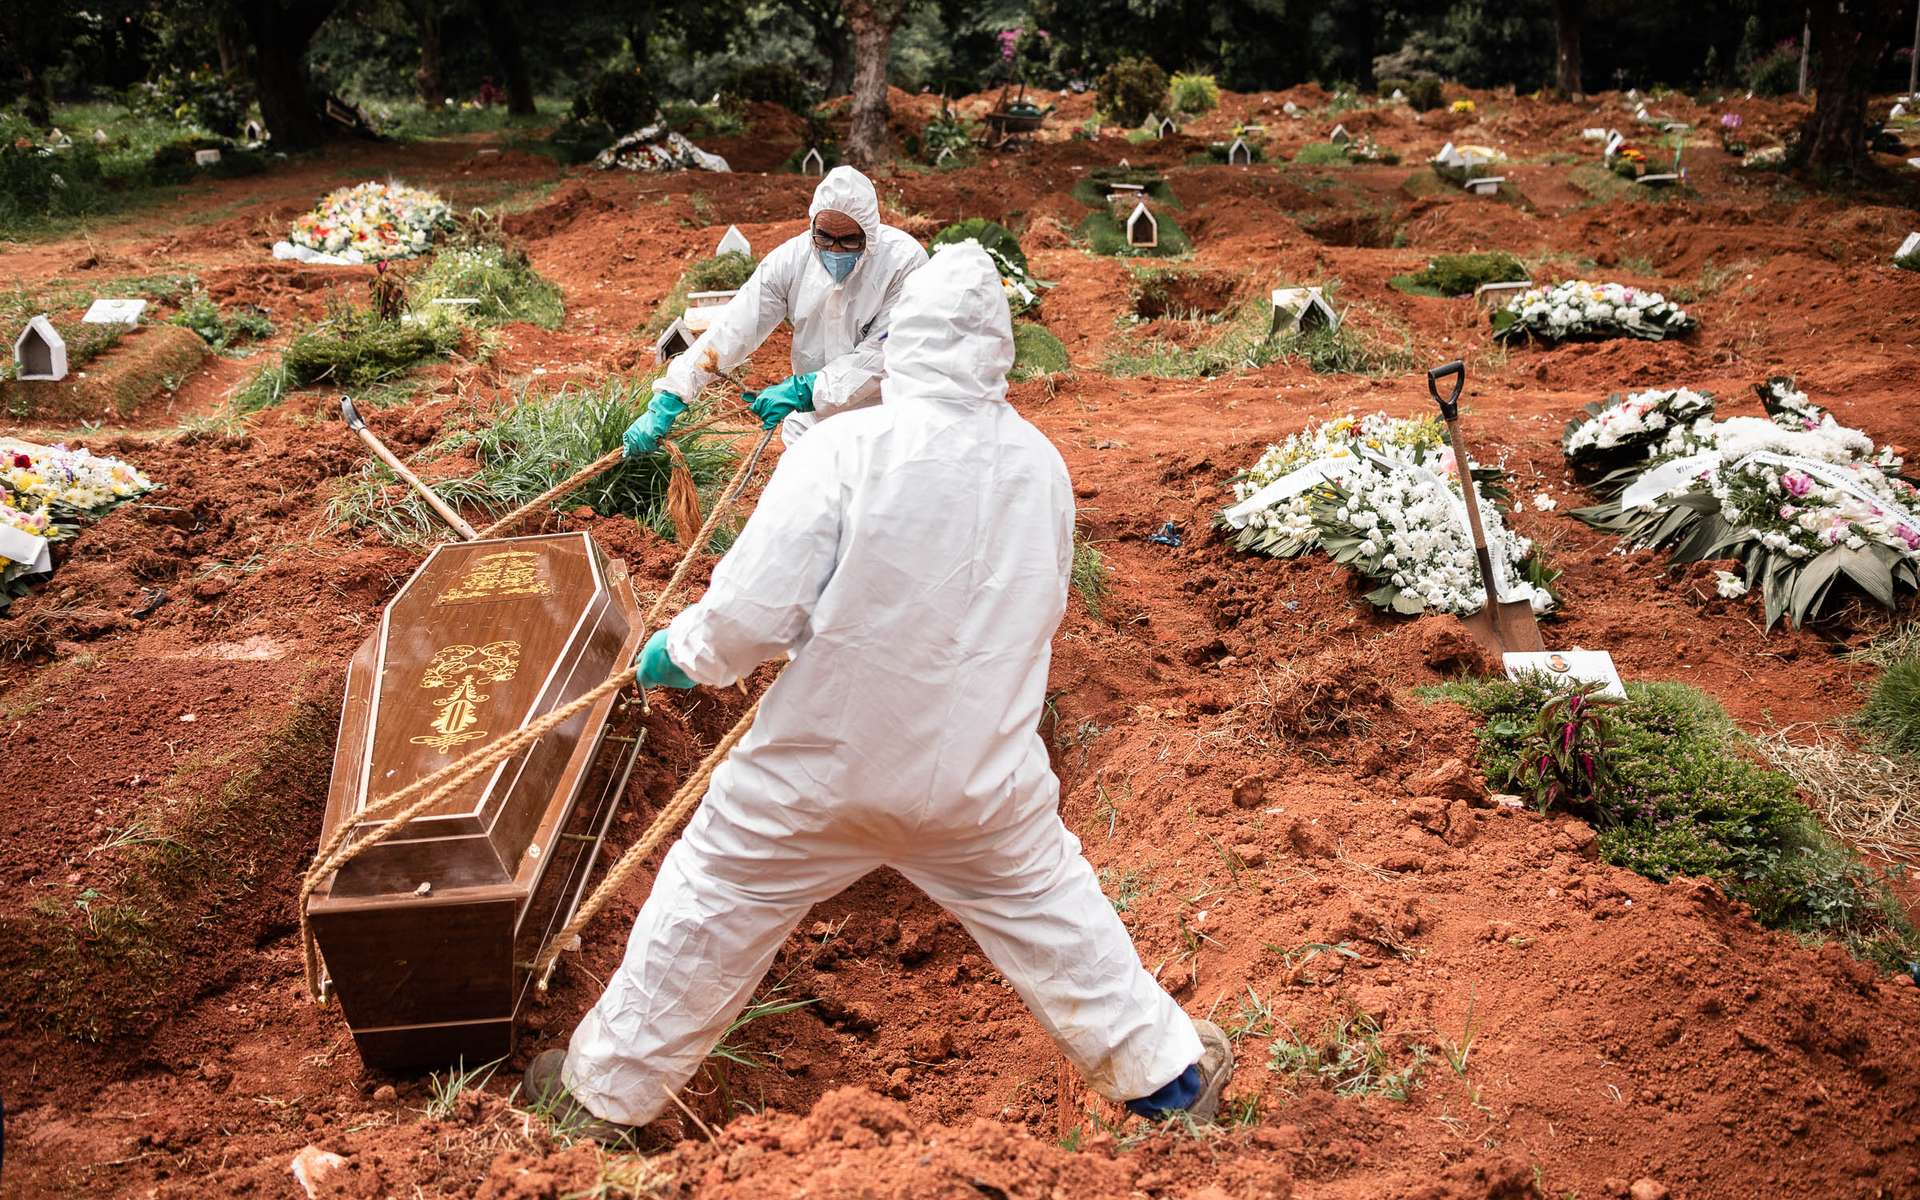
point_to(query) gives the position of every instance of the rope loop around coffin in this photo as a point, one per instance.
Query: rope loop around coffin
(402, 807)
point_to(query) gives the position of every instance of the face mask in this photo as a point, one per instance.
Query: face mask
(839, 263)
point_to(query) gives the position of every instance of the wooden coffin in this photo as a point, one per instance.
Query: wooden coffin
(427, 937)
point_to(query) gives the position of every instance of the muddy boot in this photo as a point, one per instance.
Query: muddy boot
(546, 1094)
(1216, 1069)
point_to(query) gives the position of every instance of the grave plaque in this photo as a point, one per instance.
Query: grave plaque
(1910, 246)
(427, 938)
(114, 312)
(1568, 668)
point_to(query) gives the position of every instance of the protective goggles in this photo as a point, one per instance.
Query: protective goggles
(853, 241)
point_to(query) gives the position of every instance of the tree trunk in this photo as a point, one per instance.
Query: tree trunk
(503, 35)
(281, 31)
(230, 40)
(1567, 18)
(872, 23)
(432, 84)
(1849, 37)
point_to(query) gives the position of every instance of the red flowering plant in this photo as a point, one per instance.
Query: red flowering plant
(1564, 760)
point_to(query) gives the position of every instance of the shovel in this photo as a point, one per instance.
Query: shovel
(439, 506)
(1501, 626)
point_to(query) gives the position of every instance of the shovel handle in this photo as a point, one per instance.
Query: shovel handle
(1449, 404)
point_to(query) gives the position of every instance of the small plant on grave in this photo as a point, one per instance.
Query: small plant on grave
(221, 330)
(1564, 761)
(948, 130)
(481, 263)
(1193, 94)
(1091, 577)
(1731, 139)
(352, 350)
(1129, 90)
(1463, 107)
(386, 294)
(1321, 154)
(1460, 274)
(1364, 149)
(1351, 1055)
(1908, 262)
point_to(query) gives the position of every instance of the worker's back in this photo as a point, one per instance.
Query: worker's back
(915, 694)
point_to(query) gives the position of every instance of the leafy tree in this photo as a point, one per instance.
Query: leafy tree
(1850, 38)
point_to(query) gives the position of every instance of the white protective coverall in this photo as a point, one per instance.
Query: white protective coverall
(913, 558)
(837, 327)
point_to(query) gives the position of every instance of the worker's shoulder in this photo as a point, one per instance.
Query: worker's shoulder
(898, 243)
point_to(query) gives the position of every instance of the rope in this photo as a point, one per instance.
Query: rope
(339, 849)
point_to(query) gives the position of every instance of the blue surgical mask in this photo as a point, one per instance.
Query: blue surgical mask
(839, 263)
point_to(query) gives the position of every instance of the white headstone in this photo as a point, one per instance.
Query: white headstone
(946, 152)
(1899, 110)
(1910, 246)
(1301, 310)
(206, 158)
(114, 312)
(1143, 229)
(1487, 295)
(1339, 136)
(1398, 96)
(1593, 135)
(703, 307)
(1125, 165)
(734, 242)
(100, 137)
(1633, 93)
(40, 352)
(1291, 109)
(1486, 185)
(1662, 180)
(1167, 126)
(1239, 152)
(1569, 667)
(1614, 141)
(256, 132)
(813, 163)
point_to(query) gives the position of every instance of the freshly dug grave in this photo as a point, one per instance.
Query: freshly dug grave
(1295, 835)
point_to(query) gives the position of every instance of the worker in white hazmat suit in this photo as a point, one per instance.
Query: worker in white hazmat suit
(912, 558)
(837, 283)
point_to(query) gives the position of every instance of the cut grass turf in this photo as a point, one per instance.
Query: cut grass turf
(499, 276)
(1105, 234)
(1460, 274)
(1036, 352)
(352, 350)
(1246, 342)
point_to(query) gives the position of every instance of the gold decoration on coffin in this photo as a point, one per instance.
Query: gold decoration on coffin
(463, 668)
(498, 576)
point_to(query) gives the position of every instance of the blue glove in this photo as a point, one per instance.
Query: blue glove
(656, 669)
(643, 436)
(791, 395)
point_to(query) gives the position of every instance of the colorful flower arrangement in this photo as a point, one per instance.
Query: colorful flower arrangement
(1578, 310)
(373, 221)
(1731, 139)
(1461, 106)
(1380, 495)
(1612, 433)
(46, 492)
(1801, 500)
(1464, 164)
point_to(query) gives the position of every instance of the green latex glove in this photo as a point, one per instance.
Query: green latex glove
(643, 436)
(791, 395)
(656, 669)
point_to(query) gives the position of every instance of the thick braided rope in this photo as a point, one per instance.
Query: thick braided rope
(335, 852)
(610, 459)
(683, 802)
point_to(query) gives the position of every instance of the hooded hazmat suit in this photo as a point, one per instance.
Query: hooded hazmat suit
(837, 327)
(913, 560)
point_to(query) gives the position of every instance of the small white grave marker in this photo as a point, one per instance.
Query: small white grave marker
(1910, 246)
(100, 137)
(1899, 110)
(40, 352)
(1302, 310)
(734, 242)
(1339, 136)
(1491, 295)
(674, 341)
(1166, 127)
(1239, 153)
(1398, 97)
(1125, 165)
(206, 158)
(813, 163)
(946, 152)
(1661, 180)
(1486, 185)
(1615, 140)
(1593, 135)
(1291, 109)
(114, 312)
(256, 132)
(1569, 668)
(1143, 229)
(1633, 93)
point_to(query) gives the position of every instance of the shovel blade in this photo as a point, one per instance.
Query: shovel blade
(1505, 627)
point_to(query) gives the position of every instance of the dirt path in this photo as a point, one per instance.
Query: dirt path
(1580, 1027)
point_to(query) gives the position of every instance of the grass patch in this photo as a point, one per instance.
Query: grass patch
(1683, 797)
(221, 329)
(1036, 352)
(1350, 1055)
(1891, 716)
(411, 120)
(1321, 154)
(1346, 351)
(1091, 577)
(1105, 234)
(1460, 274)
(1092, 191)
(351, 350)
(720, 273)
(177, 882)
(497, 274)
(1244, 343)
(526, 449)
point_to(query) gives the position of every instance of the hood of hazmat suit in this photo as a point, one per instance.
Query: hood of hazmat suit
(912, 559)
(838, 328)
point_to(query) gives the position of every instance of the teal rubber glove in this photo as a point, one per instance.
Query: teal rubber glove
(791, 395)
(656, 669)
(643, 436)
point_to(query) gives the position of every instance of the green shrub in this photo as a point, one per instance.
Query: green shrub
(1388, 87)
(721, 273)
(37, 184)
(1345, 351)
(1104, 233)
(1036, 352)
(1424, 95)
(1892, 712)
(498, 275)
(622, 100)
(351, 350)
(201, 96)
(779, 83)
(1193, 93)
(1684, 799)
(1130, 89)
(1321, 154)
(990, 234)
(1776, 73)
(222, 330)
(702, 121)
(1460, 274)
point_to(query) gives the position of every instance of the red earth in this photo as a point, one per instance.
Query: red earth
(1238, 738)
